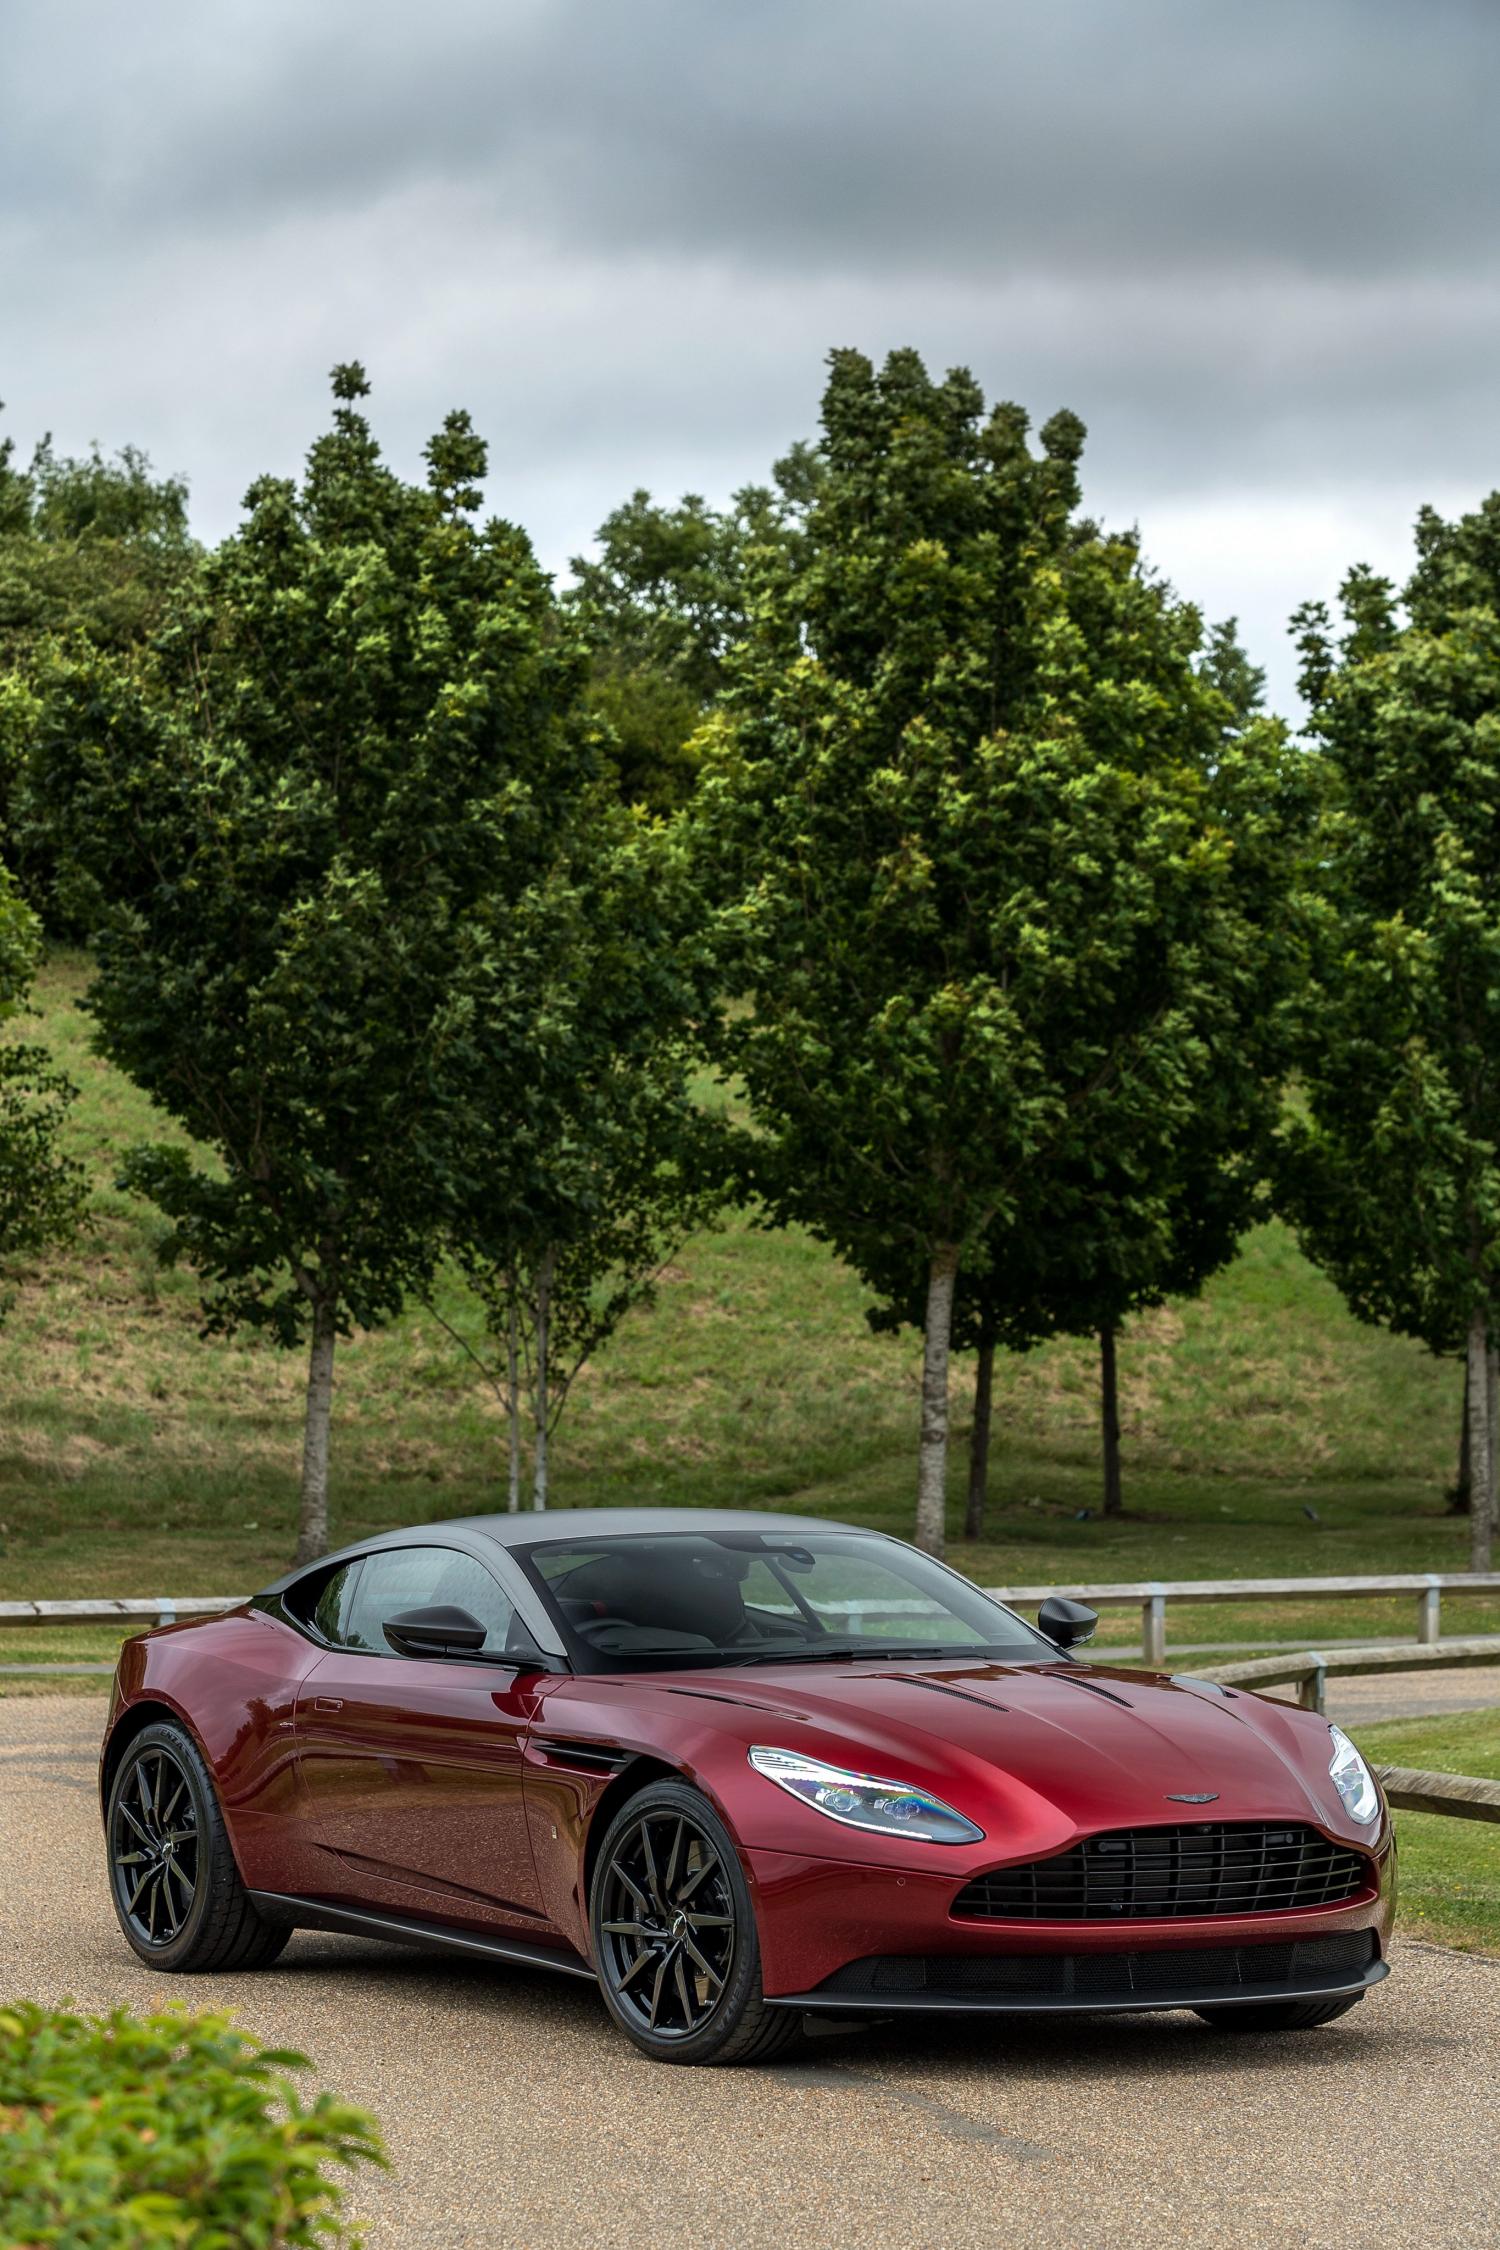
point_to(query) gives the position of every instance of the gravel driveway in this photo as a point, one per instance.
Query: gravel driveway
(517, 2116)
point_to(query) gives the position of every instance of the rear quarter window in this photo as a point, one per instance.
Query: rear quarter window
(323, 1600)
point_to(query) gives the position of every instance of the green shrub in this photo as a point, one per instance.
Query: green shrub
(122, 2132)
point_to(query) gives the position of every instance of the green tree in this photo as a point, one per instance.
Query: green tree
(663, 605)
(88, 545)
(41, 1188)
(1391, 1172)
(587, 1185)
(993, 876)
(1226, 666)
(90, 548)
(307, 826)
(1109, 1226)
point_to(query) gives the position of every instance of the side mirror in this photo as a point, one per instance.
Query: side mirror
(1066, 1624)
(441, 1631)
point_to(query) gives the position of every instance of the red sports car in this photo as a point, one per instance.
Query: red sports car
(735, 1768)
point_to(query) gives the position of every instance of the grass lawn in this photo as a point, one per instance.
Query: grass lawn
(1265, 1430)
(1450, 1869)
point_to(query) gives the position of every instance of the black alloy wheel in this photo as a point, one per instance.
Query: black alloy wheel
(674, 1934)
(176, 1889)
(153, 1847)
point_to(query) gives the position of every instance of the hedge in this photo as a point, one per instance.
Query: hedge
(125, 2132)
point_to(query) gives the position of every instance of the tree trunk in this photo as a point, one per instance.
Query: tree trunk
(513, 1403)
(312, 1521)
(932, 1456)
(1458, 1504)
(979, 1439)
(1481, 1480)
(1109, 1396)
(543, 1324)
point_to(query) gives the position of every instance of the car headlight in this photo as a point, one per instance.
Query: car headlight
(890, 1808)
(1352, 1778)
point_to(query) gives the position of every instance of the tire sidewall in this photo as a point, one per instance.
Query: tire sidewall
(743, 1990)
(163, 1735)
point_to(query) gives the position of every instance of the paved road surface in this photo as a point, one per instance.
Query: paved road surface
(1360, 1701)
(518, 2117)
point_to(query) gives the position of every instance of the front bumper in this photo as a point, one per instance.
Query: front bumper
(842, 1935)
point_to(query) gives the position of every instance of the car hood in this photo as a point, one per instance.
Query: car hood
(1064, 1748)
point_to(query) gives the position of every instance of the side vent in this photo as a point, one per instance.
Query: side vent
(602, 1758)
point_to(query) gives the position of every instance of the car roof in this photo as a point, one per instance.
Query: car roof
(623, 1523)
(524, 1529)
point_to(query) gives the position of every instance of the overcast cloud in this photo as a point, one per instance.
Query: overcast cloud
(1256, 246)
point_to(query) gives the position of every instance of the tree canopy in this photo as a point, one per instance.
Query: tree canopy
(999, 891)
(662, 604)
(306, 824)
(41, 1187)
(90, 550)
(589, 1174)
(1390, 1167)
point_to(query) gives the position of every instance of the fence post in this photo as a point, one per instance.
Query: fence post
(1154, 1626)
(1312, 1692)
(1430, 1611)
(166, 1612)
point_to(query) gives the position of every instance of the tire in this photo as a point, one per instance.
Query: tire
(176, 1890)
(675, 1942)
(1279, 2015)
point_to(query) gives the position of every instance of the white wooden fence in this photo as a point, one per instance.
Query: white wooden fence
(1310, 1670)
(1150, 1596)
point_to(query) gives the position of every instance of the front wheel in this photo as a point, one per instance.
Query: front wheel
(1278, 2015)
(674, 1935)
(176, 1889)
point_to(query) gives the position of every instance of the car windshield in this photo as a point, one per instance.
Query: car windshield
(647, 1600)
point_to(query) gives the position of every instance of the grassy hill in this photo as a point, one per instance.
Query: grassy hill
(135, 1457)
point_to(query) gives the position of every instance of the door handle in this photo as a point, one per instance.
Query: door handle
(328, 1703)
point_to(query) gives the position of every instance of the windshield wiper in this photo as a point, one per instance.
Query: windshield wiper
(819, 1652)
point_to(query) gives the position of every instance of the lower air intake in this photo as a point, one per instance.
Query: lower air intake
(1105, 1977)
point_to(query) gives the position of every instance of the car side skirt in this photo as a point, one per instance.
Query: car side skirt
(1071, 2004)
(396, 1929)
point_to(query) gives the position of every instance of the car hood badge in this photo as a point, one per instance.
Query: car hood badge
(1192, 1796)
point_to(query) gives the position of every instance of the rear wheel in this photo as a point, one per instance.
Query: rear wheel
(1278, 2015)
(674, 1935)
(176, 1890)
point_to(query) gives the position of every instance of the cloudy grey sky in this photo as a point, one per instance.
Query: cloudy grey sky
(1255, 243)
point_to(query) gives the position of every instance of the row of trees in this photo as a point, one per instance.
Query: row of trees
(899, 791)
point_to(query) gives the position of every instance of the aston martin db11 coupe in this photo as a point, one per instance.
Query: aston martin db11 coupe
(738, 1769)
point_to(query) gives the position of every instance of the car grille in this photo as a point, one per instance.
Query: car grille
(1104, 1976)
(1156, 1874)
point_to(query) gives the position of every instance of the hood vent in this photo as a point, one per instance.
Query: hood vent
(940, 1687)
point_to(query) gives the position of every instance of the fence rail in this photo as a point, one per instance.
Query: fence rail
(156, 1610)
(1458, 1795)
(1151, 1597)
(1310, 1670)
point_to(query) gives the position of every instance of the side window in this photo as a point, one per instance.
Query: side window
(401, 1578)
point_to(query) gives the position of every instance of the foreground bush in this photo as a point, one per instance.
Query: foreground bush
(126, 2133)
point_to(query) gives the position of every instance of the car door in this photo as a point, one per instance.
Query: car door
(410, 1767)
